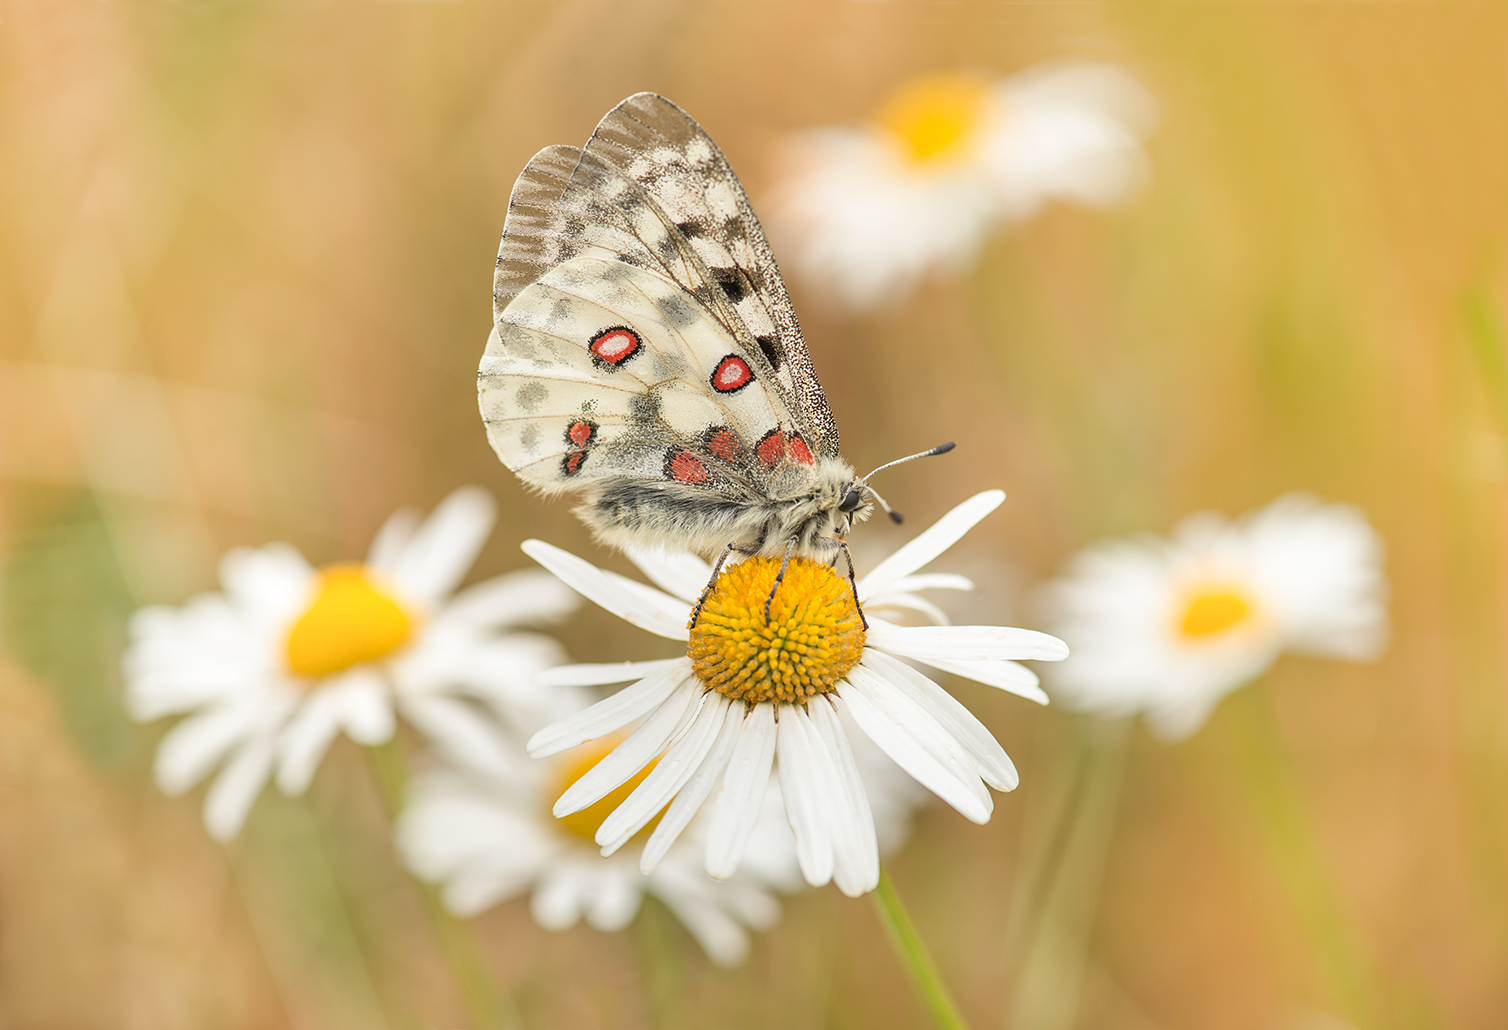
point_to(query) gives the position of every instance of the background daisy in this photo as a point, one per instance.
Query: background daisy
(863, 212)
(490, 838)
(1169, 627)
(287, 656)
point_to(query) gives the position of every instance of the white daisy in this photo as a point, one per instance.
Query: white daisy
(752, 689)
(1169, 627)
(490, 838)
(288, 656)
(866, 211)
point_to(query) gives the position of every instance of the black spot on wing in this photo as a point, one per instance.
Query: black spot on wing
(770, 350)
(689, 229)
(732, 282)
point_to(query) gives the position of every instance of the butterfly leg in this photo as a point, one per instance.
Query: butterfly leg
(852, 582)
(696, 613)
(790, 549)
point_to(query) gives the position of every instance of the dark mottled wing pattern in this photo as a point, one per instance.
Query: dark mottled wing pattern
(664, 150)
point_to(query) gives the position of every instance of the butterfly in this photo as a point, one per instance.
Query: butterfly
(645, 354)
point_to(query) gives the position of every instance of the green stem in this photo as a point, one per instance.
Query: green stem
(1489, 347)
(1058, 896)
(1276, 802)
(660, 964)
(908, 943)
(486, 1006)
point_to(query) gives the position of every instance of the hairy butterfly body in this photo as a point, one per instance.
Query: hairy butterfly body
(646, 356)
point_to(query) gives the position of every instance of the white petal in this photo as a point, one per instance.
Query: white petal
(688, 800)
(1178, 720)
(675, 572)
(943, 534)
(304, 742)
(527, 596)
(191, 749)
(458, 731)
(1008, 676)
(392, 539)
(969, 643)
(919, 748)
(440, 553)
(856, 851)
(600, 675)
(675, 767)
(744, 786)
(633, 602)
(615, 902)
(230, 797)
(557, 900)
(643, 744)
(796, 743)
(366, 712)
(931, 581)
(612, 713)
(995, 765)
(725, 942)
(891, 599)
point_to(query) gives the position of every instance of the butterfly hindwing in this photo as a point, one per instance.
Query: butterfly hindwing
(664, 150)
(601, 369)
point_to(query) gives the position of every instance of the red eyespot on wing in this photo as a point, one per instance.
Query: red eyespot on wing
(581, 433)
(722, 444)
(798, 451)
(771, 448)
(684, 467)
(573, 462)
(615, 346)
(731, 374)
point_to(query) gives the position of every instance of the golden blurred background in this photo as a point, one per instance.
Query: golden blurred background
(245, 259)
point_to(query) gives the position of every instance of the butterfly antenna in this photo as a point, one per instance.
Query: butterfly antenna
(895, 516)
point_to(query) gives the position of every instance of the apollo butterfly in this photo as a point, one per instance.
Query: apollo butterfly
(646, 354)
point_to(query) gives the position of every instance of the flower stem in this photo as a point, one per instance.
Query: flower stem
(486, 1006)
(1063, 873)
(908, 943)
(1277, 807)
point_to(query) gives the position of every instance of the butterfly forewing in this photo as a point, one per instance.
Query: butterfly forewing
(665, 151)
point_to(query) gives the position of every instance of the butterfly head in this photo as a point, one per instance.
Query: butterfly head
(853, 505)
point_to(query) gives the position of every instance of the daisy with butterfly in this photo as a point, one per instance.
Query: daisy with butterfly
(646, 358)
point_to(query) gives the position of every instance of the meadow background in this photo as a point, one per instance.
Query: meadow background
(245, 261)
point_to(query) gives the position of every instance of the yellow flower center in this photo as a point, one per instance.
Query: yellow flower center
(578, 763)
(813, 637)
(935, 117)
(1214, 611)
(351, 620)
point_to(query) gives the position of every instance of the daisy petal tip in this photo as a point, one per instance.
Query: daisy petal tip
(535, 547)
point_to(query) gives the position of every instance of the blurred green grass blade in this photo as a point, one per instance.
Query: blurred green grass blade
(64, 605)
(1489, 347)
(1052, 935)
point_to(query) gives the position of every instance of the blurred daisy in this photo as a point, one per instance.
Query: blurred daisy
(1169, 627)
(488, 838)
(272, 669)
(751, 690)
(866, 211)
